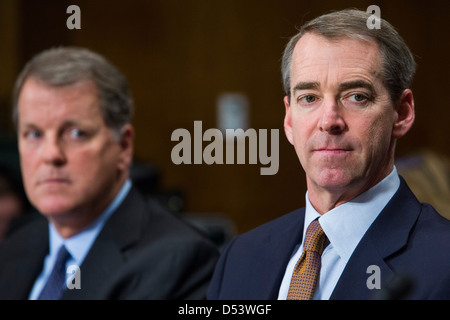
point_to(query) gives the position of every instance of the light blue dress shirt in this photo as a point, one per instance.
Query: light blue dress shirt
(78, 245)
(344, 227)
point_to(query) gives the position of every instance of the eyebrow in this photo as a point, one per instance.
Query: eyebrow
(27, 126)
(65, 124)
(356, 84)
(306, 86)
(342, 87)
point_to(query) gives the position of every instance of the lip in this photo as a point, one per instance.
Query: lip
(53, 181)
(332, 151)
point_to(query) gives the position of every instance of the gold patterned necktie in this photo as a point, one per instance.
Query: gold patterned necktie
(306, 271)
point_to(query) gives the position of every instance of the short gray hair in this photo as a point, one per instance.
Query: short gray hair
(65, 66)
(398, 65)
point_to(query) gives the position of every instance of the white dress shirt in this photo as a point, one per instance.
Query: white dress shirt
(344, 227)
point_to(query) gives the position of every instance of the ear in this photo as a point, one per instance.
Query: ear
(126, 144)
(288, 121)
(404, 113)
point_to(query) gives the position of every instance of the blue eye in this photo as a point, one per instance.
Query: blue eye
(77, 134)
(358, 97)
(307, 99)
(357, 100)
(310, 99)
(33, 134)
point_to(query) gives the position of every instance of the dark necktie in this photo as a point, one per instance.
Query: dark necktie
(307, 270)
(56, 282)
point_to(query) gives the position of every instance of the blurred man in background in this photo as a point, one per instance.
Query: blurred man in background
(73, 111)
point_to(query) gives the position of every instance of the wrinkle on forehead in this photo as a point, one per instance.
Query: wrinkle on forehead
(50, 105)
(346, 57)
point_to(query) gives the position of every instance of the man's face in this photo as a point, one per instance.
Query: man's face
(70, 161)
(340, 118)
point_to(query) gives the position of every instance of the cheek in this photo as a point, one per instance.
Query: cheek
(376, 135)
(298, 131)
(103, 162)
(304, 123)
(29, 166)
(302, 131)
(91, 163)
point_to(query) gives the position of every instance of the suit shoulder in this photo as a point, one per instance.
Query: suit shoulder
(256, 259)
(428, 242)
(283, 222)
(168, 224)
(433, 225)
(278, 225)
(35, 230)
(159, 227)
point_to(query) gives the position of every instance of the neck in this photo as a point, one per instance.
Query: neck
(324, 199)
(75, 221)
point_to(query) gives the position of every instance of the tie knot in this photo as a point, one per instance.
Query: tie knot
(315, 237)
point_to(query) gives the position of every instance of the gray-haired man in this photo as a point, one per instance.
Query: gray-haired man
(347, 103)
(72, 109)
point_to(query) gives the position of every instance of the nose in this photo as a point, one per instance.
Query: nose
(331, 119)
(53, 152)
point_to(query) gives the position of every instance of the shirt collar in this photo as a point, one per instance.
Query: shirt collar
(79, 244)
(346, 224)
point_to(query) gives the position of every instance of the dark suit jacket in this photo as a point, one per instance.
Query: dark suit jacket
(408, 238)
(142, 252)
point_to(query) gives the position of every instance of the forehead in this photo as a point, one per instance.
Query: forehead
(316, 57)
(39, 102)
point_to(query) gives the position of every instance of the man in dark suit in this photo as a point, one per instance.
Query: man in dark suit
(362, 234)
(98, 238)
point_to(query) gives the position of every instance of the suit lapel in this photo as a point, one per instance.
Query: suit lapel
(387, 235)
(107, 254)
(280, 245)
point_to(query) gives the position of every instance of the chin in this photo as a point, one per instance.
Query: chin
(52, 206)
(334, 179)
